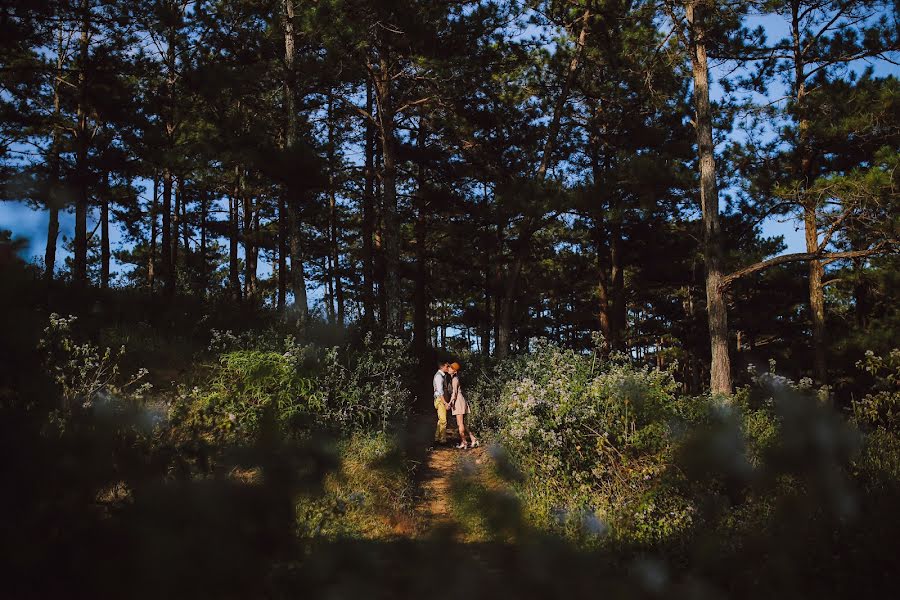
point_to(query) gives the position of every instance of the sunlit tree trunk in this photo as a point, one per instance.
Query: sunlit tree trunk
(720, 368)
(804, 175)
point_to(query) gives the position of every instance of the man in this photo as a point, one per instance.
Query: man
(441, 401)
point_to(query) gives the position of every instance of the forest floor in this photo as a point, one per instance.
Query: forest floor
(443, 473)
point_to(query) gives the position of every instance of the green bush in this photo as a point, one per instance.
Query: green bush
(299, 388)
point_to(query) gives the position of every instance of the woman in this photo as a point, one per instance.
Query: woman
(460, 408)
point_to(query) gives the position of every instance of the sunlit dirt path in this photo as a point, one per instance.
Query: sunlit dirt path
(440, 466)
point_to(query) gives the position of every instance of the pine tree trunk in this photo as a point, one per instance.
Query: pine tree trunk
(167, 270)
(234, 277)
(617, 277)
(282, 252)
(204, 215)
(420, 301)
(249, 247)
(82, 200)
(816, 296)
(185, 225)
(804, 174)
(104, 239)
(488, 270)
(53, 198)
(368, 216)
(298, 278)
(151, 259)
(52, 240)
(176, 228)
(333, 225)
(393, 301)
(720, 368)
(378, 239)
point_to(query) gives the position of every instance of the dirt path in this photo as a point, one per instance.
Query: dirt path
(434, 510)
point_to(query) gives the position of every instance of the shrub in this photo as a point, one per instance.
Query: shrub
(300, 388)
(82, 370)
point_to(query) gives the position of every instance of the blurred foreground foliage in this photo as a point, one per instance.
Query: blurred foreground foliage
(277, 462)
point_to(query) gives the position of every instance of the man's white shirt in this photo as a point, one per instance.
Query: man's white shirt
(438, 383)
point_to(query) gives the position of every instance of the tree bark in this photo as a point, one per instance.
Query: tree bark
(816, 295)
(378, 238)
(298, 279)
(804, 175)
(234, 277)
(368, 216)
(151, 260)
(281, 298)
(420, 301)
(204, 215)
(167, 270)
(53, 196)
(82, 200)
(105, 254)
(333, 225)
(384, 95)
(250, 251)
(176, 227)
(720, 368)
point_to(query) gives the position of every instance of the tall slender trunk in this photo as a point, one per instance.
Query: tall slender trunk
(54, 200)
(204, 215)
(804, 175)
(333, 225)
(234, 277)
(250, 248)
(420, 300)
(617, 276)
(720, 368)
(281, 297)
(52, 239)
(378, 238)
(816, 296)
(166, 268)
(488, 270)
(384, 93)
(368, 215)
(176, 227)
(105, 254)
(80, 249)
(169, 230)
(185, 225)
(151, 259)
(298, 279)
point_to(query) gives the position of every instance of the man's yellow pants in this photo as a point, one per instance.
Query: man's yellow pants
(440, 434)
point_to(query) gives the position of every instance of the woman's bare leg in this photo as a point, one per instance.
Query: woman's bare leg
(472, 440)
(461, 424)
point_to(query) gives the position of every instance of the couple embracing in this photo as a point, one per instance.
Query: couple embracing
(448, 396)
